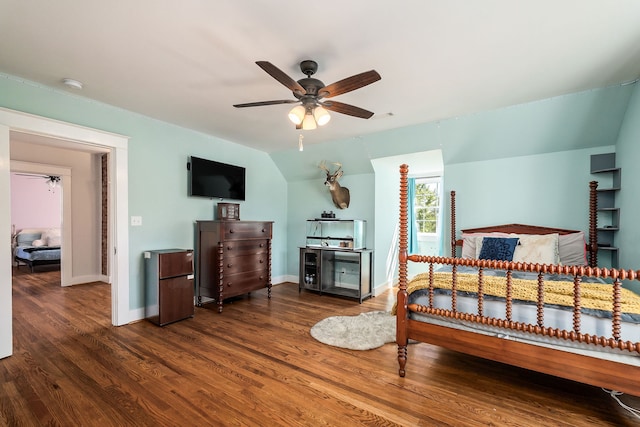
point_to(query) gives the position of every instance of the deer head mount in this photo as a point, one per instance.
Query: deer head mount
(339, 195)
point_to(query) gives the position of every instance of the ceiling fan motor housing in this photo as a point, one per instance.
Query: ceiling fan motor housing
(310, 85)
(309, 67)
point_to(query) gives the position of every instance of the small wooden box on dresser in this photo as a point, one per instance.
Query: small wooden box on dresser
(232, 258)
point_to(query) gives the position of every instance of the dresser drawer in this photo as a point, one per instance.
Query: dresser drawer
(246, 230)
(251, 262)
(242, 283)
(172, 264)
(245, 247)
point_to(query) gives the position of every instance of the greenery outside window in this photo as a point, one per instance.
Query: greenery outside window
(425, 215)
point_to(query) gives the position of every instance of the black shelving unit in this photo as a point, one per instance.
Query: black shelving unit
(346, 273)
(608, 214)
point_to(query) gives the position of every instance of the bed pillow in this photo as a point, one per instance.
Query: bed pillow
(537, 249)
(53, 241)
(472, 243)
(37, 243)
(51, 236)
(26, 239)
(572, 248)
(498, 248)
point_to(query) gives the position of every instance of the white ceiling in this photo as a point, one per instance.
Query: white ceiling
(187, 62)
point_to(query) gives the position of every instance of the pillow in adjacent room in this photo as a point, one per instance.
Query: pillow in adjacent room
(537, 249)
(54, 241)
(498, 248)
(51, 236)
(37, 243)
(26, 239)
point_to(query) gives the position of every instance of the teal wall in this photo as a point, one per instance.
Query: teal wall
(627, 158)
(525, 163)
(158, 154)
(309, 198)
(570, 122)
(530, 159)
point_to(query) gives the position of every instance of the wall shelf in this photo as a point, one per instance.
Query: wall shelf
(606, 211)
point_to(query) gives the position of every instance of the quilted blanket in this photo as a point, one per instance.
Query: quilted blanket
(596, 296)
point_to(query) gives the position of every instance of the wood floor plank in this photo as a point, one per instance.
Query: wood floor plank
(256, 364)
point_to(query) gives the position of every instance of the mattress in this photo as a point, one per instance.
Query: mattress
(592, 322)
(40, 253)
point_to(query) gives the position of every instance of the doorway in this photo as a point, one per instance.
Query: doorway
(69, 135)
(35, 169)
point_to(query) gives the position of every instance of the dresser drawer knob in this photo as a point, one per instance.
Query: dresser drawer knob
(264, 230)
(229, 265)
(262, 245)
(231, 231)
(229, 248)
(228, 284)
(261, 261)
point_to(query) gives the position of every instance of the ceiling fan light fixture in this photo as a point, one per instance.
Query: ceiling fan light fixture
(321, 115)
(309, 123)
(297, 114)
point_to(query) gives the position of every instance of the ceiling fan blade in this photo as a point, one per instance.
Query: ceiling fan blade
(280, 76)
(350, 110)
(260, 103)
(349, 84)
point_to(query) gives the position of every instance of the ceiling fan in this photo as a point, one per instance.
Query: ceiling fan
(51, 180)
(310, 92)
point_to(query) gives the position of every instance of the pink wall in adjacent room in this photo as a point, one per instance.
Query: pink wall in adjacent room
(34, 204)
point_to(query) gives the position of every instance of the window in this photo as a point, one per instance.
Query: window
(426, 204)
(425, 216)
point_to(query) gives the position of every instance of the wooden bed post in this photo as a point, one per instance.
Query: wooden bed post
(593, 224)
(401, 305)
(453, 224)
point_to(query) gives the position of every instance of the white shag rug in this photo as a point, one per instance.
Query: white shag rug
(362, 332)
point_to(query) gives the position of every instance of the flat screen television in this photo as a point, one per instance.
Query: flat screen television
(208, 178)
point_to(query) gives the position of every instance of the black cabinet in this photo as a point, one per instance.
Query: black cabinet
(346, 273)
(169, 294)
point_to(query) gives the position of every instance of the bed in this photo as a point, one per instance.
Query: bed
(567, 319)
(37, 246)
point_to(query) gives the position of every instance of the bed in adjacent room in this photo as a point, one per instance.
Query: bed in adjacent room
(37, 246)
(526, 296)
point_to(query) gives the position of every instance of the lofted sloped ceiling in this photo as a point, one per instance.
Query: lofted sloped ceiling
(188, 62)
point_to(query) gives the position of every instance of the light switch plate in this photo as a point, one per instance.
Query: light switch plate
(136, 221)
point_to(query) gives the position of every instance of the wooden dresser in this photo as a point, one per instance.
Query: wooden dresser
(232, 258)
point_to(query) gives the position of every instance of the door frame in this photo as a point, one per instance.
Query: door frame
(66, 254)
(82, 137)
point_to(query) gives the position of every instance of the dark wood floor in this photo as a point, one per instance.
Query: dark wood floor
(256, 365)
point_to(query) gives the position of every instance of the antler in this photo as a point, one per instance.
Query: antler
(323, 166)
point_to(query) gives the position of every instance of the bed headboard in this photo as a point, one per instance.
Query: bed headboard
(511, 229)
(517, 229)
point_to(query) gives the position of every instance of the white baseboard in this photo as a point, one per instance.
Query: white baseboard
(80, 280)
(136, 315)
(284, 279)
(381, 288)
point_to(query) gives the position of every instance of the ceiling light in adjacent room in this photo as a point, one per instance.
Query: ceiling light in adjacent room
(74, 84)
